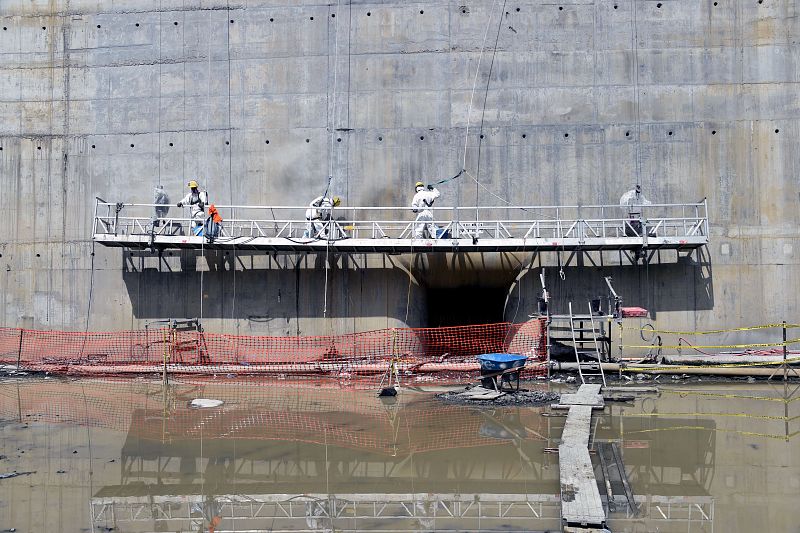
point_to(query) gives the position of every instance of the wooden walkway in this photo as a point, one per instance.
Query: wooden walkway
(581, 507)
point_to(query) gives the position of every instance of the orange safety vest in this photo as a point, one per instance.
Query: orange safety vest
(214, 214)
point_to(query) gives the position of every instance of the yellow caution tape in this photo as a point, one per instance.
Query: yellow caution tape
(738, 415)
(712, 346)
(717, 331)
(684, 393)
(748, 433)
(730, 365)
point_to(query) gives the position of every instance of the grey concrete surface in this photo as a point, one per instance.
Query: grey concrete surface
(582, 99)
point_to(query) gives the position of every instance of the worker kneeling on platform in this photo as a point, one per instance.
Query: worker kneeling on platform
(318, 216)
(197, 199)
(421, 204)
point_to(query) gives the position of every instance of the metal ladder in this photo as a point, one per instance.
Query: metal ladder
(586, 369)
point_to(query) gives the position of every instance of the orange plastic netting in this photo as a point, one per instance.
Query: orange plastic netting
(420, 353)
(255, 411)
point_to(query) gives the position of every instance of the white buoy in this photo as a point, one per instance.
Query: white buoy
(204, 403)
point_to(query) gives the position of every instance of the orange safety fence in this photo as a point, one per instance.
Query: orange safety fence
(418, 354)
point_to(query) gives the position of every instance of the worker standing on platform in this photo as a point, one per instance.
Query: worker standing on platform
(421, 204)
(318, 215)
(632, 201)
(197, 199)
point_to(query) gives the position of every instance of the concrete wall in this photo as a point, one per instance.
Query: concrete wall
(108, 98)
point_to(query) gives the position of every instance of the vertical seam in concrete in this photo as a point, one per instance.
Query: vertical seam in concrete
(66, 29)
(160, 74)
(636, 103)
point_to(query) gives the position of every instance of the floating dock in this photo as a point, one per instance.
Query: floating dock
(581, 507)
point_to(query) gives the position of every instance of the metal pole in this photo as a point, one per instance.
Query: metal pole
(19, 350)
(785, 368)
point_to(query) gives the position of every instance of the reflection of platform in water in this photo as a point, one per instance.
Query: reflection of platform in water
(278, 483)
(381, 512)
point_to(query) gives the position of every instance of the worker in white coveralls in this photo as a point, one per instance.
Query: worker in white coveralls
(632, 201)
(197, 200)
(421, 204)
(318, 214)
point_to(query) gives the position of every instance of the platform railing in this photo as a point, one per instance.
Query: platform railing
(555, 223)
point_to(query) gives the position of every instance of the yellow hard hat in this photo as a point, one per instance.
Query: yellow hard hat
(419, 184)
(192, 184)
(336, 201)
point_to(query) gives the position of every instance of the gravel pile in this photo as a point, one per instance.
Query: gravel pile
(523, 397)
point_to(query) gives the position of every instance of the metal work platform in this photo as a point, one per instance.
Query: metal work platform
(391, 229)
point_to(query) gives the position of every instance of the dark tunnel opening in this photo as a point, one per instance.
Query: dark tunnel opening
(462, 306)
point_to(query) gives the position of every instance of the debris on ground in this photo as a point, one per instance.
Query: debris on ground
(15, 474)
(482, 396)
(204, 403)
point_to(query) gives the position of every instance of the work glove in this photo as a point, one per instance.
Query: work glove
(430, 187)
(180, 204)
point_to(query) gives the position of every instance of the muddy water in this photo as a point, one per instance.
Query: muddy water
(131, 456)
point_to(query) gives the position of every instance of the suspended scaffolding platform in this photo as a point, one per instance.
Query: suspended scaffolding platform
(392, 229)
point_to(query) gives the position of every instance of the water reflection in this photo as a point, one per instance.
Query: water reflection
(324, 458)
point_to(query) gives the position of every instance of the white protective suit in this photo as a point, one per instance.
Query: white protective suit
(421, 203)
(633, 200)
(317, 214)
(197, 200)
(161, 200)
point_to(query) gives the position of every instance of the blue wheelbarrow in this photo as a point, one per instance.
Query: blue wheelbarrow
(505, 366)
